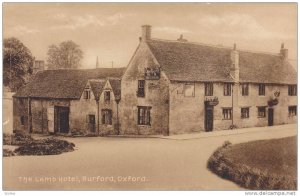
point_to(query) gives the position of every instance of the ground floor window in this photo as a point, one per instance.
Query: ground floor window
(261, 111)
(106, 116)
(144, 115)
(292, 110)
(90, 119)
(244, 112)
(227, 113)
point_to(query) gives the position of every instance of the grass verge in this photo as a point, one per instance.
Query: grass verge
(258, 165)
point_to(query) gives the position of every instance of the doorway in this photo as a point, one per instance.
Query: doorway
(209, 117)
(61, 119)
(270, 116)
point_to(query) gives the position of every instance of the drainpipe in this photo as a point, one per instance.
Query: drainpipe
(118, 125)
(98, 117)
(232, 105)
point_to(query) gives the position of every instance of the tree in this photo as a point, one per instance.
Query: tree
(17, 63)
(65, 56)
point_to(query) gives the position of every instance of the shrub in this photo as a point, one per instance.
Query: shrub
(16, 139)
(49, 146)
(8, 153)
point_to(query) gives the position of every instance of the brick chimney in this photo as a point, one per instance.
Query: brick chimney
(284, 52)
(146, 32)
(235, 68)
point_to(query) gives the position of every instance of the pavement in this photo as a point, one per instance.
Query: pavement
(175, 162)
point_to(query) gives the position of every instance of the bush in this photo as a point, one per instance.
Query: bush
(8, 153)
(16, 139)
(246, 176)
(49, 146)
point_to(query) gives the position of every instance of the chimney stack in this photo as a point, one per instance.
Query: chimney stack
(235, 68)
(284, 52)
(146, 32)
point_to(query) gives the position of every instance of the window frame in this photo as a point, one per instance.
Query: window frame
(264, 111)
(144, 118)
(185, 87)
(141, 88)
(228, 112)
(88, 119)
(87, 94)
(291, 114)
(209, 89)
(106, 117)
(107, 96)
(292, 90)
(227, 88)
(247, 109)
(261, 89)
(245, 89)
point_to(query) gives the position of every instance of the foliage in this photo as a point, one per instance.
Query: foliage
(49, 146)
(17, 63)
(67, 55)
(8, 153)
(16, 139)
(246, 176)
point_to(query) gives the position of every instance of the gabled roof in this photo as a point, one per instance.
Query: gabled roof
(97, 87)
(185, 61)
(65, 83)
(116, 87)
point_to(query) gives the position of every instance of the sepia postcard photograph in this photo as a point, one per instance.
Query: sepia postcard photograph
(142, 96)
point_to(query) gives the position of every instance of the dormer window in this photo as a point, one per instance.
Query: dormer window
(107, 96)
(87, 94)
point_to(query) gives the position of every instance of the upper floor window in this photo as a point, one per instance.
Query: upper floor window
(86, 94)
(245, 89)
(144, 115)
(227, 113)
(189, 90)
(244, 112)
(106, 95)
(106, 116)
(261, 89)
(227, 89)
(261, 111)
(292, 110)
(141, 88)
(292, 90)
(209, 89)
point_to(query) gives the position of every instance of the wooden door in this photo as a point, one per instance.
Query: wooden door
(209, 118)
(270, 116)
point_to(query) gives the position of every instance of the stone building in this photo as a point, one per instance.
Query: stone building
(65, 101)
(172, 87)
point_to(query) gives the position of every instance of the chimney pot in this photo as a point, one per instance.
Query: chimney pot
(234, 46)
(146, 32)
(284, 52)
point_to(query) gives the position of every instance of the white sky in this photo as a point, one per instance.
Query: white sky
(111, 30)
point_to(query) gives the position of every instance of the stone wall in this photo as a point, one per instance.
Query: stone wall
(156, 96)
(20, 108)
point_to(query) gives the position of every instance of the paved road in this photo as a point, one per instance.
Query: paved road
(161, 164)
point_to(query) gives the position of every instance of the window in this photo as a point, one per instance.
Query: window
(86, 94)
(144, 115)
(141, 88)
(106, 95)
(292, 110)
(227, 113)
(244, 112)
(22, 120)
(209, 89)
(227, 89)
(90, 119)
(245, 89)
(189, 90)
(106, 116)
(261, 89)
(292, 90)
(261, 112)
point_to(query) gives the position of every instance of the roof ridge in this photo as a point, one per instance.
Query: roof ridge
(215, 46)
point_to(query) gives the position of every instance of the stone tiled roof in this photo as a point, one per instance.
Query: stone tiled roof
(64, 84)
(184, 61)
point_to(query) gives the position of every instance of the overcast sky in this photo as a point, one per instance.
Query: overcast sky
(111, 31)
